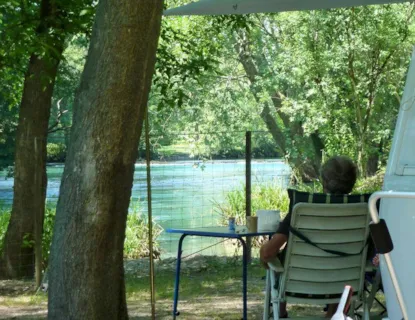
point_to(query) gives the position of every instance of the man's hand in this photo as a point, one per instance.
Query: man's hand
(271, 248)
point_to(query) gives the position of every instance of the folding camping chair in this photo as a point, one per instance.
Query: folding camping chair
(310, 274)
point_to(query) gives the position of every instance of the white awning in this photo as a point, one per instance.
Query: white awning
(217, 7)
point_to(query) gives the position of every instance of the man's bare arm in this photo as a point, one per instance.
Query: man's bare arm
(270, 249)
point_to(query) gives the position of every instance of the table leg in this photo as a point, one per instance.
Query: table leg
(176, 284)
(244, 278)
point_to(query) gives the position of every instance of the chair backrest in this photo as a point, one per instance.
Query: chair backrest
(313, 275)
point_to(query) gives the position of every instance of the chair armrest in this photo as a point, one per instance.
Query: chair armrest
(276, 265)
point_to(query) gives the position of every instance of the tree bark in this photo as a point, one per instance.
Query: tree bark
(372, 165)
(318, 146)
(266, 115)
(86, 278)
(273, 128)
(288, 132)
(30, 160)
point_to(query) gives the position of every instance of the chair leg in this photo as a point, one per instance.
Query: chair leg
(366, 313)
(274, 297)
(267, 296)
(352, 309)
(276, 310)
(374, 290)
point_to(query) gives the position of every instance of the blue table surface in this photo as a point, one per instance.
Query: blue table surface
(241, 231)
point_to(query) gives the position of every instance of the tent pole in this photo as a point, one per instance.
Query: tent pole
(150, 218)
(39, 214)
(248, 190)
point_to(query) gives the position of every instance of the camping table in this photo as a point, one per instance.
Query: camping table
(216, 232)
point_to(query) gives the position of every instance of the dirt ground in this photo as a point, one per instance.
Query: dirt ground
(203, 295)
(19, 300)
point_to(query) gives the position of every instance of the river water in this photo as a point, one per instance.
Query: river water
(183, 195)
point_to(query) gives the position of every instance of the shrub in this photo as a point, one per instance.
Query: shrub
(135, 245)
(136, 237)
(269, 196)
(363, 185)
(47, 232)
(48, 225)
(9, 172)
(56, 152)
(137, 233)
(264, 196)
(370, 184)
(4, 222)
(312, 187)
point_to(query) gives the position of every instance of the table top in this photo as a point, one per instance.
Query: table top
(220, 232)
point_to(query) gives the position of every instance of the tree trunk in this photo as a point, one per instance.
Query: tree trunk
(26, 221)
(372, 165)
(318, 146)
(288, 132)
(361, 158)
(30, 166)
(266, 115)
(86, 279)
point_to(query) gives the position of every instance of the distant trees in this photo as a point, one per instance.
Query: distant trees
(322, 83)
(346, 70)
(328, 81)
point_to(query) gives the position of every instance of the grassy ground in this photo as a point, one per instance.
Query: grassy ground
(210, 289)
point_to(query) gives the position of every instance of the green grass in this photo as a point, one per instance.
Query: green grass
(213, 290)
(216, 278)
(174, 149)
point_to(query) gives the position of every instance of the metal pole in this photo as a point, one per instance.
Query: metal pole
(244, 277)
(38, 220)
(248, 157)
(248, 190)
(150, 219)
(375, 218)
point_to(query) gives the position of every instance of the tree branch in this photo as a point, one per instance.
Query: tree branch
(53, 128)
(351, 72)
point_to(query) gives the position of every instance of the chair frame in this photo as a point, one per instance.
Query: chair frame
(277, 295)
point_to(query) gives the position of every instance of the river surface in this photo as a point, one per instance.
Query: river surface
(183, 195)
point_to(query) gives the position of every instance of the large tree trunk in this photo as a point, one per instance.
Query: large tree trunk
(252, 73)
(30, 165)
(372, 165)
(288, 135)
(86, 278)
(318, 147)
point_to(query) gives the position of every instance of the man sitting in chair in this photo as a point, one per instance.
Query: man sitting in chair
(339, 176)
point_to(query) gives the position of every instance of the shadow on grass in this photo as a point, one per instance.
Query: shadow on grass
(217, 279)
